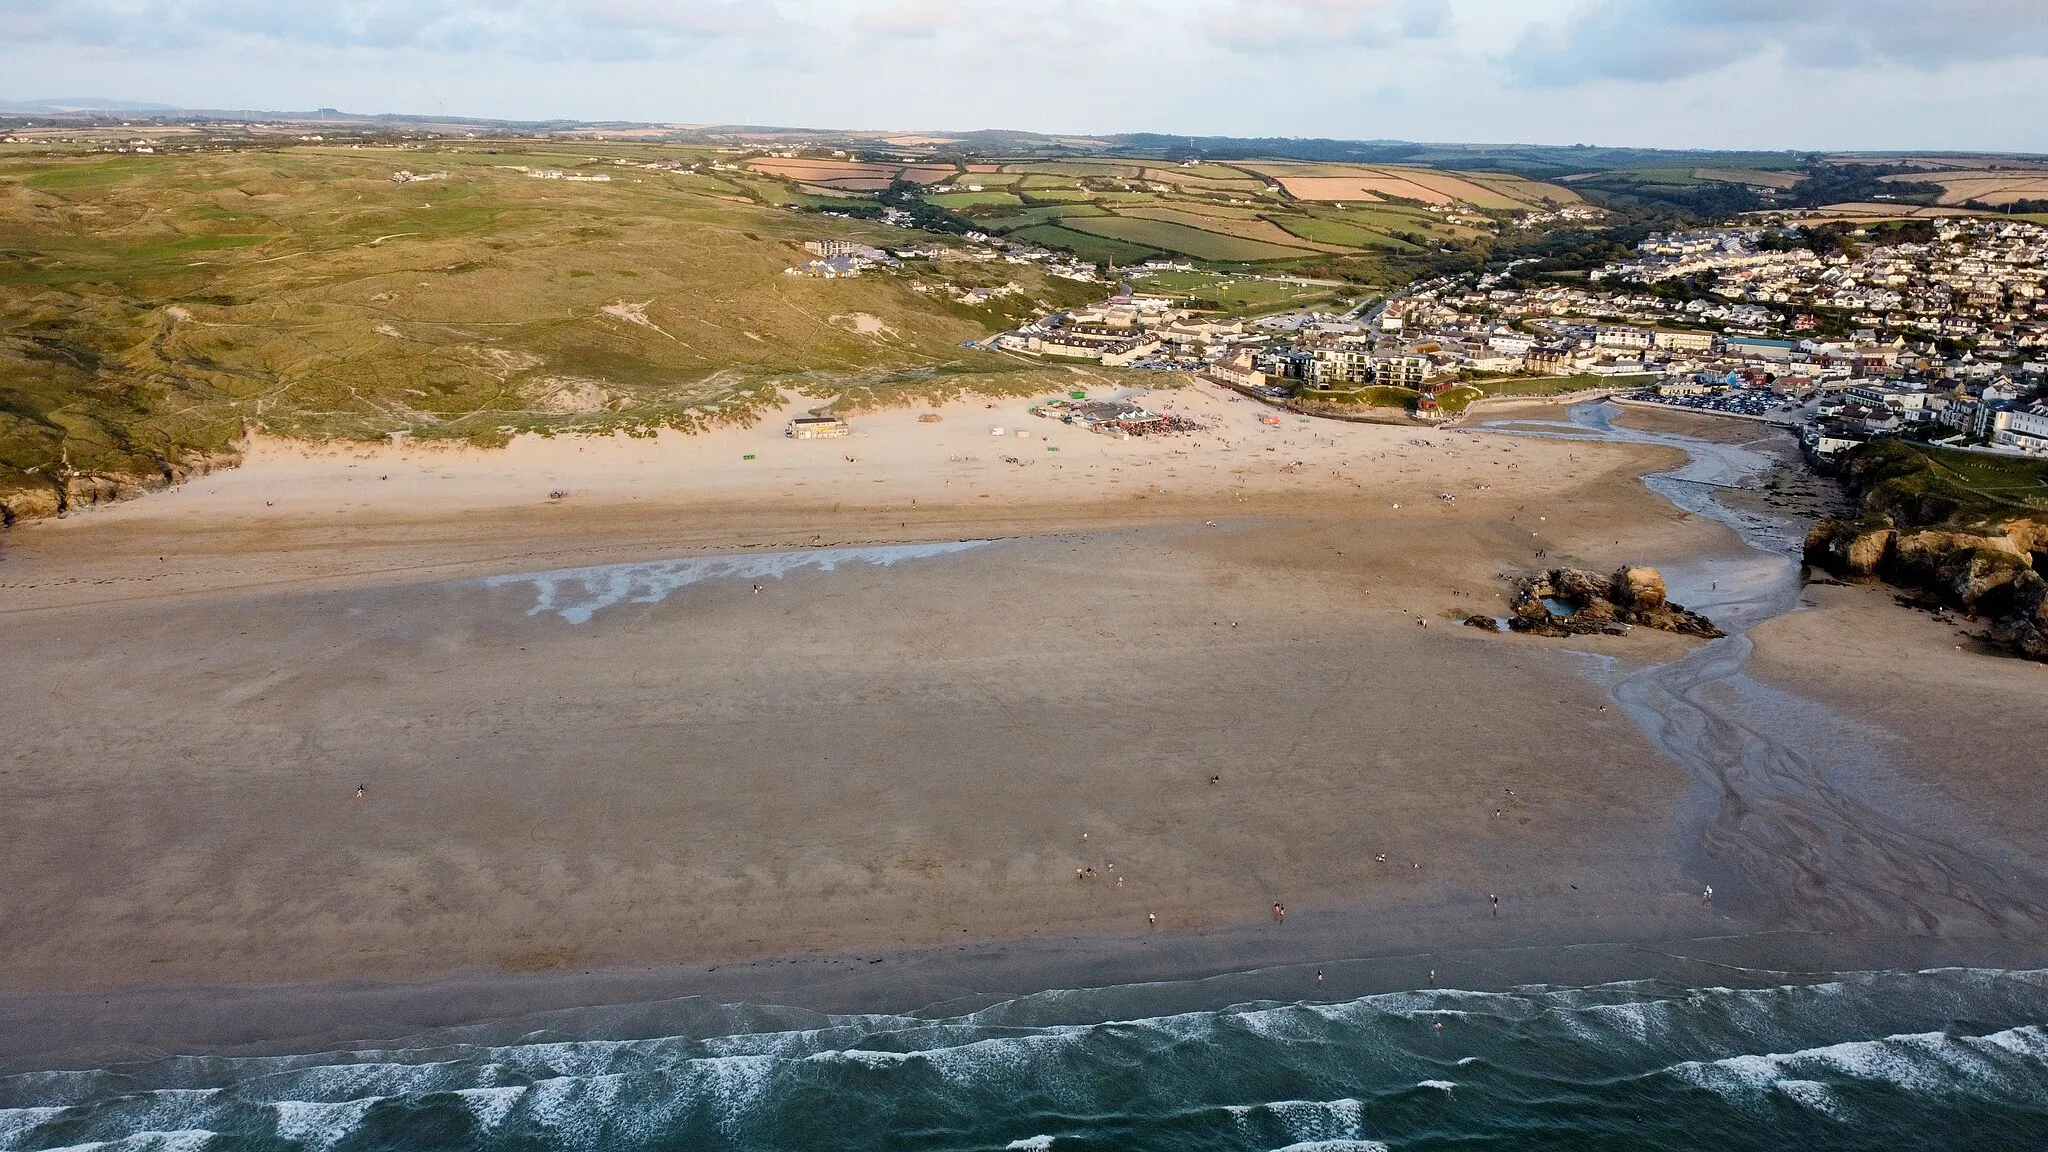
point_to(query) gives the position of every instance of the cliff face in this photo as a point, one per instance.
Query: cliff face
(54, 496)
(1924, 530)
(1596, 603)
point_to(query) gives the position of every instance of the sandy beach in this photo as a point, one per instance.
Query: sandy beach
(1188, 679)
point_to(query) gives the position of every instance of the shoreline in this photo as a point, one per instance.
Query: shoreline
(1099, 977)
(1447, 917)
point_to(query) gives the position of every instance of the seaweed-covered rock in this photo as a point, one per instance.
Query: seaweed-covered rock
(1594, 603)
(2025, 625)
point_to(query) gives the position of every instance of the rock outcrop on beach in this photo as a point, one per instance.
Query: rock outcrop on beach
(39, 496)
(1921, 531)
(1575, 602)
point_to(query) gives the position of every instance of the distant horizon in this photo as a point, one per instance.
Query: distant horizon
(1877, 75)
(105, 106)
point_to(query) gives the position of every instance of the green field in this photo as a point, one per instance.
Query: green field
(965, 200)
(1235, 295)
(1325, 231)
(1035, 216)
(1556, 385)
(1676, 176)
(2003, 478)
(1192, 212)
(1170, 237)
(1095, 248)
(1457, 399)
(1371, 396)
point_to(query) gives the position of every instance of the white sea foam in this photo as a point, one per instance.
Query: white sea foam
(1925, 1063)
(1814, 1095)
(16, 1123)
(863, 1057)
(1030, 1144)
(181, 1141)
(1439, 1085)
(317, 1127)
(1336, 1146)
(577, 594)
(574, 1110)
(490, 1106)
(1310, 1123)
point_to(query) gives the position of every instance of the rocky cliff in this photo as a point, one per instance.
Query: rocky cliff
(1923, 529)
(34, 496)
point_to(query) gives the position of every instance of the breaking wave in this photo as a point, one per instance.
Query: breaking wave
(1945, 1058)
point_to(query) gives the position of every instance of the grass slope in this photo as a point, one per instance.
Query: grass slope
(152, 308)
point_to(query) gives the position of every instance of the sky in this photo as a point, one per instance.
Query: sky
(1766, 74)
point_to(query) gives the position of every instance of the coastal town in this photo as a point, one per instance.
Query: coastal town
(1936, 331)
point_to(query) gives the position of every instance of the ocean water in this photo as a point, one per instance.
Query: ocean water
(1954, 1058)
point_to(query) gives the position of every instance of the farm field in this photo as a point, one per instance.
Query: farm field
(1339, 232)
(983, 199)
(1170, 237)
(1249, 213)
(1752, 176)
(1993, 188)
(1100, 249)
(1244, 228)
(1235, 295)
(851, 175)
(1212, 211)
(1337, 183)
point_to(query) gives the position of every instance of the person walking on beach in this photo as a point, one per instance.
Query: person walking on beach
(1496, 903)
(361, 791)
(1709, 897)
(1279, 911)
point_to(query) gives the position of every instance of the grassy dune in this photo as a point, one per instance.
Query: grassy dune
(152, 308)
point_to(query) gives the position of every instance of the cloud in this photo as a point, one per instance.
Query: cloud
(1660, 40)
(541, 29)
(911, 19)
(1317, 25)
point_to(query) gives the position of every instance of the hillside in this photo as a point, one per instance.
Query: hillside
(156, 306)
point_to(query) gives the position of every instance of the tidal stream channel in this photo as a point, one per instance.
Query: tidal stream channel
(1797, 816)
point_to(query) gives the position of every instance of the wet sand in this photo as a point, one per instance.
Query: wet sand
(1960, 719)
(847, 765)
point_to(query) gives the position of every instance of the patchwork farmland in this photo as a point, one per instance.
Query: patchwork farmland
(1255, 213)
